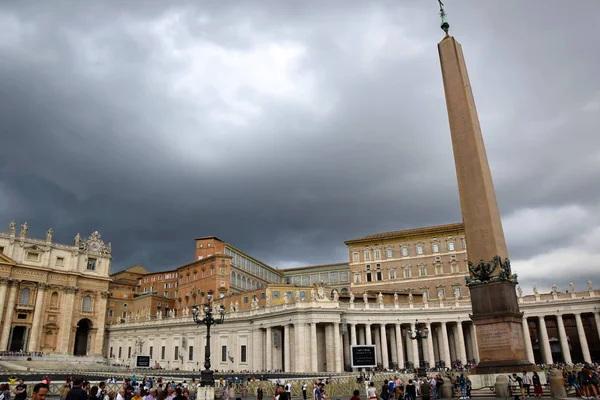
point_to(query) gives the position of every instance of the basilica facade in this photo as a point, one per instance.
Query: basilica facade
(53, 296)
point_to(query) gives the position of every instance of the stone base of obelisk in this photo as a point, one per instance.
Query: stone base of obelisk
(499, 327)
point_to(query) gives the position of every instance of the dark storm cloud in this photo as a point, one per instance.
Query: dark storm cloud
(288, 128)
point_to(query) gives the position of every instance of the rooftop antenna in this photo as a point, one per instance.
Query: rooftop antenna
(445, 25)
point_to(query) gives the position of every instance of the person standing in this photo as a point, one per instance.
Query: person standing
(527, 383)
(77, 392)
(425, 390)
(304, 391)
(410, 392)
(537, 385)
(21, 390)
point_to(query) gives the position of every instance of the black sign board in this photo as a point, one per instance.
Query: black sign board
(363, 356)
(142, 361)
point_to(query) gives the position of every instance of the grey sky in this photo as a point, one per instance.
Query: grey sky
(286, 128)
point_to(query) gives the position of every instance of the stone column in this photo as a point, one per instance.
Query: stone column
(415, 348)
(353, 334)
(67, 320)
(562, 334)
(368, 340)
(582, 339)
(446, 346)
(313, 347)
(392, 339)
(38, 312)
(527, 338)
(399, 348)
(300, 347)
(286, 348)
(377, 343)
(462, 351)
(256, 351)
(269, 349)
(545, 342)
(596, 317)
(3, 287)
(430, 353)
(99, 314)
(10, 308)
(337, 346)
(384, 353)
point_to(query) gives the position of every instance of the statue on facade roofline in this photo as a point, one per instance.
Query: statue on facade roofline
(571, 287)
(297, 296)
(535, 290)
(285, 298)
(380, 298)
(237, 306)
(395, 298)
(11, 228)
(520, 291)
(410, 298)
(554, 288)
(49, 235)
(268, 300)
(590, 285)
(77, 240)
(336, 296)
(351, 297)
(231, 307)
(24, 229)
(365, 298)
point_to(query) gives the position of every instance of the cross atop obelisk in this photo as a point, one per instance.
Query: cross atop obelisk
(491, 282)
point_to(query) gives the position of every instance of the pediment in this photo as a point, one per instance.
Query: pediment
(7, 260)
(35, 247)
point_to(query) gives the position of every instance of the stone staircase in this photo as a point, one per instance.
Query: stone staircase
(487, 392)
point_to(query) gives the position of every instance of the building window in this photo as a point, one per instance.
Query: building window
(426, 294)
(367, 255)
(129, 352)
(378, 254)
(369, 273)
(404, 251)
(454, 268)
(1, 249)
(32, 256)
(151, 351)
(457, 292)
(87, 304)
(392, 274)
(275, 294)
(24, 297)
(441, 293)
(246, 300)
(439, 270)
(163, 351)
(420, 249)
(435, 248)
(407, 272)
(223, 353)
(176, 356)
(451, 246)
(379, 273)
(120, 351)
(356, 277)
(91, 264)
(60, 261)
(191, 353)
(422, 270)
(355, 257)
(110, 313)
(243, 355)
(389, 253)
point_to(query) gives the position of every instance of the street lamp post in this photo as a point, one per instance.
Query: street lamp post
(206, 377)
(419, 334)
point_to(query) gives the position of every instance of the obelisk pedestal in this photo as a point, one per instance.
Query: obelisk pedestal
(491, 282)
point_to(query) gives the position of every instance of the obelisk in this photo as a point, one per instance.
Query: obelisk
(491, 283)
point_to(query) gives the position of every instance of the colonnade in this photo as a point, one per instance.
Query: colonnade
(543, 340)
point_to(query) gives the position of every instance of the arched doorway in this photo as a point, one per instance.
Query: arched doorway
(82, 337)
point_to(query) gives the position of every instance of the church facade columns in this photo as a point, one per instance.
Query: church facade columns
(445, 345)
(37, 318)
(399, 346)
(337, 347)
(353, 340)
(527, 338)
(415, 347)
(269, 349)
(3, 290)
(544, 341)
(460, 338)
(66, 328)
(384, 349)
(10, 307)
(562, 335)
(286, 348)
(300, 358)
(313, 347)
(429, 345)
(368, 340)
(585, 350)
